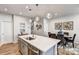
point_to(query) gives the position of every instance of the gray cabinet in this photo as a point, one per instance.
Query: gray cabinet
(27, 49)
(23, 47)
(6, 35)
(33, 50)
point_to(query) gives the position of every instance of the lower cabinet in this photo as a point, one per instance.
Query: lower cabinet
(23, 47)
(33, 51)
(27, 49)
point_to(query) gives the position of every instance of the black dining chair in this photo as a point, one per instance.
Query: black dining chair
(61, 43)
(66, 33)
(51, 35)
(71, 40)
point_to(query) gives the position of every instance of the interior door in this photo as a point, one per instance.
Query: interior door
(6, 32)
(0, 32)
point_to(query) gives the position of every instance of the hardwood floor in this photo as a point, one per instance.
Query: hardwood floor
(12, 49)
(9, 49)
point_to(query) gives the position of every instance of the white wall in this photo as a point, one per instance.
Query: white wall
(44, 30)
(46, 22)
(74, 18)
(17, 21)
(40, 31)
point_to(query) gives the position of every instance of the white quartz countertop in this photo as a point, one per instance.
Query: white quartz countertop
(41, 42)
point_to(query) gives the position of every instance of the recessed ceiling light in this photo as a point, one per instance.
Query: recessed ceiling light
(30, 9)
(26, 7)
(37, 18)
(30, 20)
(49, 15)
(56, 14)
(20, 13)
(36, 4)
(5, 9)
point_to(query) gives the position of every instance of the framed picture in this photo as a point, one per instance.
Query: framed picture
(58, 26)
(68, 25)
(38, 26)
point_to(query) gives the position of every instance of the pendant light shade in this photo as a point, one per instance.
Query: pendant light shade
(37, 18)
(49, 15)
(30, 20)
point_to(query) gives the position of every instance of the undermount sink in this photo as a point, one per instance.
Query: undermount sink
(30, 38)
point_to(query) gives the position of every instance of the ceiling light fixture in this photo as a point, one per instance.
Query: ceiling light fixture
(36, 4)
(37, 18)
(20, 13)
(30, 9)
(56, 14)
(30, 20)
(26, 7)
(49, 15)
(5, 9)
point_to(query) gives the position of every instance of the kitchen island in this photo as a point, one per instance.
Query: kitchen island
(39, 45)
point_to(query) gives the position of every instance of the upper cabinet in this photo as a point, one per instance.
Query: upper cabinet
(5, 18)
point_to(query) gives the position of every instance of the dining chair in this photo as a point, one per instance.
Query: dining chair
(62, 42)
(71, 40)
(66, 33)
(51, 35)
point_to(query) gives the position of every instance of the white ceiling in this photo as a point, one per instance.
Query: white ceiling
(40, 10)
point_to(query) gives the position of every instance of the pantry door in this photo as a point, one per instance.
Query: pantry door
(0, 32)
(6, 32)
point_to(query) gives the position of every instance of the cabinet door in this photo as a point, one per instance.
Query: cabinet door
(6, 32)
(23, 47)
(0, 32)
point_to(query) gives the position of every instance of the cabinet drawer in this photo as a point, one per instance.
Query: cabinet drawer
(33, 50)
